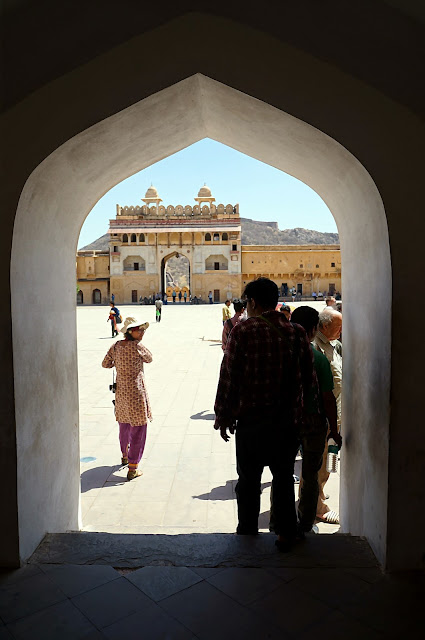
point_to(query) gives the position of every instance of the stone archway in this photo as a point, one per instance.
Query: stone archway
(164, 261)
(56, 199)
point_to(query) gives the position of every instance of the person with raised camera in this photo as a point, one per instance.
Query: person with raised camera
(132, 407)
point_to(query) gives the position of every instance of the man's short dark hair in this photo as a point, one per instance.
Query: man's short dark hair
(307, 317)
(265, 292)
(238, 305)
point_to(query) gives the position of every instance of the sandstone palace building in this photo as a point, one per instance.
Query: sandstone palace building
(143, 238)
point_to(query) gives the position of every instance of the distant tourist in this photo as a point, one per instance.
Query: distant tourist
(294, 294)
(330, 301)
(239, 309)
(314, 296)
(158, 305)
(113, 298)
(174, 296)
(132, 407)
(185, 296)
(165, 298)
(210, 297)
(180, 297)
(226, 311)
(114, 318)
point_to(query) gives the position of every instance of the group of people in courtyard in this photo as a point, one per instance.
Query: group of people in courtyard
(279, 391)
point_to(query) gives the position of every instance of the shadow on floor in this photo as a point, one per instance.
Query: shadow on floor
(203, 415)
(96, 478)
(224, 492)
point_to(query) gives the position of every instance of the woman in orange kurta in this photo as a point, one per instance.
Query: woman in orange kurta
(132, 407)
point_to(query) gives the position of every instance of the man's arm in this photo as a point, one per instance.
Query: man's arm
(227, 397)
(329, 404)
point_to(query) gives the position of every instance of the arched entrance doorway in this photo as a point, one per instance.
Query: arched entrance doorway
(180, 277)
(80, 297)
(256, 129)
(96, 296)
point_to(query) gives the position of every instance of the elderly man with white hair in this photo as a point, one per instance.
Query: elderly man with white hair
(327, 341)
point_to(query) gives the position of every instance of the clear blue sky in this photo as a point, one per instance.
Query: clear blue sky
(263, 192)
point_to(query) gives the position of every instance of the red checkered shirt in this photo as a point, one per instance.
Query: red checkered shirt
(264, 372)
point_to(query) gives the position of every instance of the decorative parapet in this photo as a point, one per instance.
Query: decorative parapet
(177, 212)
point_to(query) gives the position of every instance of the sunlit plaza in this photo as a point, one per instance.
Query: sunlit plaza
(189, 472)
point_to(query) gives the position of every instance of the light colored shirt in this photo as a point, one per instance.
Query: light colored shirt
(226, 313)
(332, 350)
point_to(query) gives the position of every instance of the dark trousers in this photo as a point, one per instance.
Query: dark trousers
(313, 446)
(260, 443)
(114, 328)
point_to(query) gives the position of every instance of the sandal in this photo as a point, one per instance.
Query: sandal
(124, 461)
(134, 473)
(331, 517)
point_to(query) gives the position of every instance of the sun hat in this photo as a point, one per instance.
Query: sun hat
(131, 323)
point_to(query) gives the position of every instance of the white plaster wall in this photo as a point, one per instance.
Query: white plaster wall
(56, 199)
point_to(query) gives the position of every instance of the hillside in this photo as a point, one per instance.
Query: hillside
(255, 232)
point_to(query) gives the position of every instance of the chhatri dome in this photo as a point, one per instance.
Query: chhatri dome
(151, 192)
(204, 195)
(151, 196)
(204, 192)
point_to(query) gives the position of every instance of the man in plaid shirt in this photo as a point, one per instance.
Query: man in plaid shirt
(266, 370)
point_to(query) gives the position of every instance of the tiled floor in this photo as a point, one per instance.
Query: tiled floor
(189, 471)
(61, 602)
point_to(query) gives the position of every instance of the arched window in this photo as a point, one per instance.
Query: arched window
(207, 237)
(125, 238)
(80, 297)
(224, 236)
(133, 237)
(216, 237)
(142, 237)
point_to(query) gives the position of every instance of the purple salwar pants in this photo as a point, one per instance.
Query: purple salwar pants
(132, 439)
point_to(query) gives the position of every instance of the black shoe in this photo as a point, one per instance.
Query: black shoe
(284, 546)
(246, 532)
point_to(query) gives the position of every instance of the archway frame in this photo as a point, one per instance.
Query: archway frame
(53, 205)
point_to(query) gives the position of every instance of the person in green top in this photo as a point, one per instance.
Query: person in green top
(320, 421)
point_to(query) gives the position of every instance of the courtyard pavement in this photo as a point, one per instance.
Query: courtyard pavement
(189, 472)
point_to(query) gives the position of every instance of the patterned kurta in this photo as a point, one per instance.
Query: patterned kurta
(131, 399)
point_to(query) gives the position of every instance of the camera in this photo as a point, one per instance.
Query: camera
(113, 387)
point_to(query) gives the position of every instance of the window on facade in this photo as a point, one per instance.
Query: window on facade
(317, 266)
(136, 266)
(115, 249)
(301, 266)
(125, 238)
(133, 237)
(224, 236)
(216, 237)
(216, 266)
(134, 295)
(207, 237)
(332, 264)
(142, 237)
(234, 247)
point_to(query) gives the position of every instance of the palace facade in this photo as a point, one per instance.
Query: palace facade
(143, 238)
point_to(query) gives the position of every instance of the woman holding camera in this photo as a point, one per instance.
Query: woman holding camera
(132, 408)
